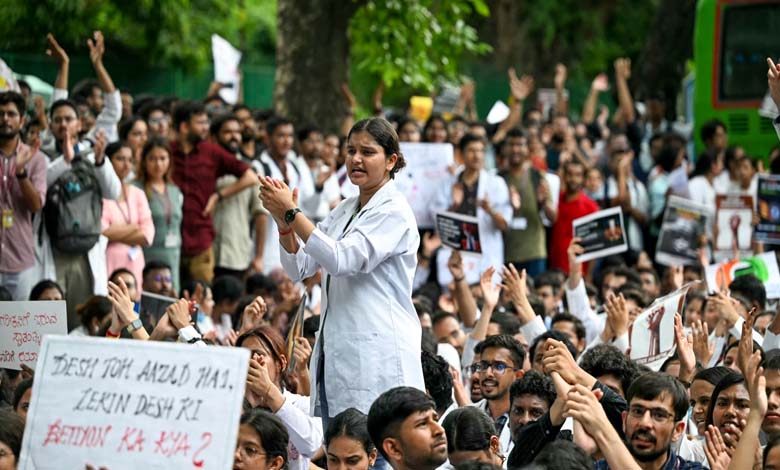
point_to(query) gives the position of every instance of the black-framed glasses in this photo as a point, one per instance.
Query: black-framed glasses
(498, 367)
(249, 452)
(659, 415)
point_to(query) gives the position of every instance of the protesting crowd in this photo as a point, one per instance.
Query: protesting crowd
(373, 340)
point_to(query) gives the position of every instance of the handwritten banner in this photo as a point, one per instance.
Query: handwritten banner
(22, 327)
(128, 404)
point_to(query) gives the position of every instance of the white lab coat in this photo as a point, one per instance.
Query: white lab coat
(111, 188)
(505, 439)
(494, 189)
(299, 177)
(369, 329)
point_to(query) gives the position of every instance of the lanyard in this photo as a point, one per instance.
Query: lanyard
(127, 203)
(167, 205)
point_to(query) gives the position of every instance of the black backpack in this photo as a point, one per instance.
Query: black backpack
(74, 208)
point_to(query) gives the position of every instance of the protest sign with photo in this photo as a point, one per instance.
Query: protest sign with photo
(682, 229)
(763, 266)
(601, 234)
(427, 170)
(133, 404)
(768, 196)
(458, 231)
(733, 226)
(22, 327)
(652, 333)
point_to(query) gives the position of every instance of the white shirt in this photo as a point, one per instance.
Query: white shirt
(305, 431)
(639, 201)
(369, 330)
(505, 439)
(702, 192)
(298, 177)
(111, 188)
(494, 189)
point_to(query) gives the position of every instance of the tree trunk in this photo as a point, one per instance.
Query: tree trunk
(312, 61)
(669, 45)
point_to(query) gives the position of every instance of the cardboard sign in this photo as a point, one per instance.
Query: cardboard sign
(733, 226)
(652, 333)
(602, 234)
(763, 266)
(682, 227)
(226, 60)
(458, 231)
(127, 404)
(427, 170)
(768, 196)
(23, 326)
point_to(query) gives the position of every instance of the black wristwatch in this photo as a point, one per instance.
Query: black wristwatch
(289, 216)
(22, 175)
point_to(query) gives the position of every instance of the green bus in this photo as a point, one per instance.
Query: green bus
(732, 39)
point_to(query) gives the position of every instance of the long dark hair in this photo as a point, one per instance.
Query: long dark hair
(351, 423)
(272, 432)
(733, 378)
(468, 428)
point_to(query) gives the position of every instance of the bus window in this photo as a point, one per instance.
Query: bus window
(748, 38)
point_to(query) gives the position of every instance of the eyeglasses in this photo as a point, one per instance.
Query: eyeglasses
(659, 415)
(249, 452)
(161, 278)
(498, 367)
(9, 114)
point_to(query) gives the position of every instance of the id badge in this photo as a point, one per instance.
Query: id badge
(171, 240)
(519, 223)
(133, 252)
(8, 218)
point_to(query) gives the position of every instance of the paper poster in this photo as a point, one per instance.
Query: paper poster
(458, 231)
(7, 80)
(733, 226)
(682, 228)
(427, 170)
(763, 266)
(446, 100)
(295, 331)
(554, 181)
(420, 108)
(652, 333)
(547, 98)
(127, 404)
(601, 234)
(23, 326)
(226, 60)
(768, 195)
(498, 113)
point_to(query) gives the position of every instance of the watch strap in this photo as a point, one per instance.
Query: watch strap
(289, 216)
(134, 325)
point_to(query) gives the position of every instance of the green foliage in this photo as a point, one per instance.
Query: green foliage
(588, 35)
(170, 32)
(415, 42)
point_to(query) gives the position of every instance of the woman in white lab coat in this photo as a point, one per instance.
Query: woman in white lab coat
(369, 338)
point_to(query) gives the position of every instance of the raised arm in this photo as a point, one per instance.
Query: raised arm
(561, 103)
(520, 88)
(97, 48)
(599, 84)
(56, 52)
(626, 103)
(349, 119)
(467, 306)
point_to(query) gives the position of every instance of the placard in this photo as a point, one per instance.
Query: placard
(682, 228)
(226, 60)
(127, 404)
(427, 169)
(23, 326)
(768, 197)
(652, 333)
(458, 231)
(763, 266)
(733, 226)
(601, 234)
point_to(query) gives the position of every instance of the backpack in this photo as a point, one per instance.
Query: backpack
(74, 208)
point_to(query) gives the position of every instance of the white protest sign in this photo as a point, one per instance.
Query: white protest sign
(22, 326)
(652, 333)
(127, 404)
(498, 113)
(427, 170)
(226, 60)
